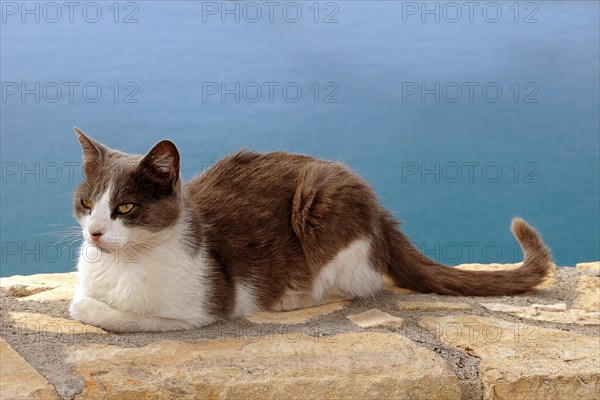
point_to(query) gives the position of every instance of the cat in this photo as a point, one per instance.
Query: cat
(273, 231)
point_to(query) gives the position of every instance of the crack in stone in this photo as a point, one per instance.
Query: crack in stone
(465, 366)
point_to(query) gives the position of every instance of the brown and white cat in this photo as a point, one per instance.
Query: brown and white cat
(272, 231)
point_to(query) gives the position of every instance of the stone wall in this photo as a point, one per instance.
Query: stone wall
(402, 345)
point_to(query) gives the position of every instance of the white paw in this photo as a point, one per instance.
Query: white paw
(90, 311)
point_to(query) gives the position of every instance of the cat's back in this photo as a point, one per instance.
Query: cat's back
(249, 179)
(249, 192)
(244, 164)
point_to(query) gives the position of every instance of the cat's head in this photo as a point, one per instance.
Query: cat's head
(127, 199)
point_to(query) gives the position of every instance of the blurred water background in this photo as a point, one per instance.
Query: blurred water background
(461, 117)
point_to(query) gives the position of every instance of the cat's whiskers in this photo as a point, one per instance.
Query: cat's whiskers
(68, 193)
(70, 235)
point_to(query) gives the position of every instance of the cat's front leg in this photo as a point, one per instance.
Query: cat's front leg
(94, 312)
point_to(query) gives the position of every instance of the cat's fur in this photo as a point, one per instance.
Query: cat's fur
(254, 232)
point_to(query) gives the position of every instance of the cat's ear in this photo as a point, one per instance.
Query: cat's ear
(162, 162)
(93, 151)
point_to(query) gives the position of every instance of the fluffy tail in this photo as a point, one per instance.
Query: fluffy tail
(412, 270)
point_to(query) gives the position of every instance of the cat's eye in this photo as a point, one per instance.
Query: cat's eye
(86, 203)
(124, 208)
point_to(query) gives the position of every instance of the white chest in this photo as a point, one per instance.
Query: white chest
(164, 282)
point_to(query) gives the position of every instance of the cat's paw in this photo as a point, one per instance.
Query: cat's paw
(287, 302)
(90, 311)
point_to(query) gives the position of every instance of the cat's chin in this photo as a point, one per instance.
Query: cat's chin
(100, 247)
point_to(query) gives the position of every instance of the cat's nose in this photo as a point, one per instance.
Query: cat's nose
(96, 235)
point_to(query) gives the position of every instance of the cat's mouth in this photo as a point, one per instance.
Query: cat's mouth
(102, 247)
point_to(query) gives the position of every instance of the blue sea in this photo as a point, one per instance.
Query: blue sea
(461, 116)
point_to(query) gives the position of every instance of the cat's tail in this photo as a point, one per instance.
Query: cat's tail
(410, 269)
